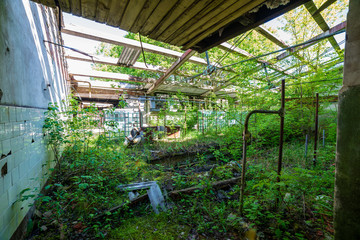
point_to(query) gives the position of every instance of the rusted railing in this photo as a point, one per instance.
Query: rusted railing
(247, 136)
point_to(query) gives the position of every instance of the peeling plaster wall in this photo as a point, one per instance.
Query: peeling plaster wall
(32, 74)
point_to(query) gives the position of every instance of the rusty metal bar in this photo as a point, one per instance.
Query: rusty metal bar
(87, 82)
(281, 140)
(140, 117)
(316, 127)
(203, 122)
(247, 136)
(185, 123)
(216, 120)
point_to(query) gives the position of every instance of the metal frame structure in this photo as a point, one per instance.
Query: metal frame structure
(197, 88)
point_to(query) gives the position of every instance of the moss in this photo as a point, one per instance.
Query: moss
(150, 227)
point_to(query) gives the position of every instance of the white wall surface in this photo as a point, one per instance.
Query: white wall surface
(32, 74)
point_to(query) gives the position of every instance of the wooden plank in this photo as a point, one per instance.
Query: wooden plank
(109, 75)
(204, 16)
(88, 9)
(193, 11)
(159, 13)
(217, 22)
(171, 70)
(242, 24)
(99, 90)
(95, 90)
(147, 10)
(102, 10)
(324, 6)
(121, 41)
(107, 97)
(229, 48)
(107, 85)
(171, 17)
(311, 7)
(116, 12)
(131, 13)
(271, 37)
(113, 61)
(98, 96)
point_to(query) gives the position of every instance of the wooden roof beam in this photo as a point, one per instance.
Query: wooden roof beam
(121, 41)
(315, 13)
(171, 70)
(280, 43)
(324, 6)
(285, 54)
(110, 75)
(228, 47)
(332, 30)
(114, 62)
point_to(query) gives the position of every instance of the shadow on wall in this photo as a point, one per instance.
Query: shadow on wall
(32, 72)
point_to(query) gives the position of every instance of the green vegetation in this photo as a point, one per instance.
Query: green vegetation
(82, 201)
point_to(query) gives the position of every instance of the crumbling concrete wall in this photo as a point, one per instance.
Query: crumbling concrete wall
(347, 181)
(32, 74)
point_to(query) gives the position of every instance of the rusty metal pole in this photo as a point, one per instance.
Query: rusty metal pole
(316, 127)
(243, 167)
(282, 118)
(185, 123)
(198, 119)
(247, 136)
(140, 117)
(216, 120)
(203, 123)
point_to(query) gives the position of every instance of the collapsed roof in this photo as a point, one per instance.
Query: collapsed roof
(190, 24)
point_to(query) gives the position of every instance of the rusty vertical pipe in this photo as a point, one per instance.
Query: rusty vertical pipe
(185, 123)
(281, 139)
(125, 124)
(165, 130)
(198, 118)
(246, 137)
(316, 127)
(203, 123)
(216, 120)
(140, 117)
(243, 167)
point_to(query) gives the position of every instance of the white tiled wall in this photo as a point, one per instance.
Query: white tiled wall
(32, 74)
(23, 150)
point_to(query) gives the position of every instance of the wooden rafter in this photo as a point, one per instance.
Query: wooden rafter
(114, 62)
(109, 75)
(324, 6)
(332, 30)
(313, 10)
(283, 55)
(171, 70)
(280, 43)
(228, 47)
(121, 41)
